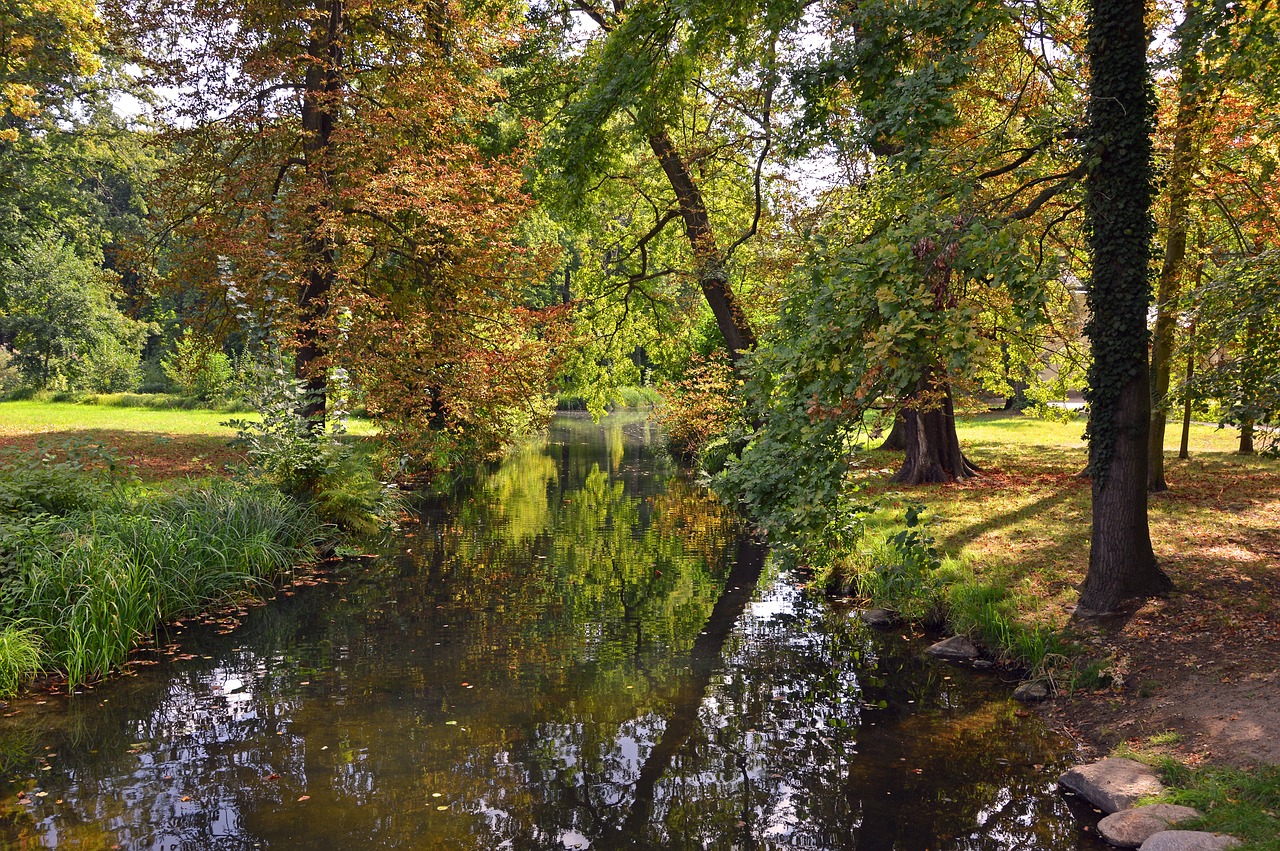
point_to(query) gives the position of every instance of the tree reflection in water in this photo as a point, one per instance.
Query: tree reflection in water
(574, 654)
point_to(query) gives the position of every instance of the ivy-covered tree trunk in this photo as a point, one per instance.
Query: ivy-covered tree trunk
(1118, 192)
(1175, 253)
(929, 438)
(321, 90)
(713, 274)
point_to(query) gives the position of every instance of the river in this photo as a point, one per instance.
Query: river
(583, 651)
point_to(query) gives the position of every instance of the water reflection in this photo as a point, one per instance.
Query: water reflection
(575, 655)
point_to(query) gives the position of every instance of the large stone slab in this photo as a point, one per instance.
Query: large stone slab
(1112, 784)
(957, 648)
(1189, 840)
(1130, 828)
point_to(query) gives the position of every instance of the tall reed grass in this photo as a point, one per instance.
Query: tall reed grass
(89, 586)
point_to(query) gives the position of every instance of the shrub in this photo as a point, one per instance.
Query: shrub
(19, 657)
(198, 366)
(699, 406)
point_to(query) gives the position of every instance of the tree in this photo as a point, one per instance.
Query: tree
(1118, 191)
(343, 175)
(684, 94)
(58, 313)
(1237, 318)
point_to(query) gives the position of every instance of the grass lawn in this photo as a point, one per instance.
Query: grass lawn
(1024, 524)
(159, 444)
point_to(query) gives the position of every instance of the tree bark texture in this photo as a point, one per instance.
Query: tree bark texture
(713, 272)
(897, 439)
(930, 440)
(1175, 252)
(1118, 192)
(322, 86)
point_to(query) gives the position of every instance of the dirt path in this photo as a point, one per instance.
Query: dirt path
(1202, 663)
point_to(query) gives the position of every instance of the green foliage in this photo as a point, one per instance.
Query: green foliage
(320, 468)
(93, 583)
(59, 312)
(73, 475)
(894, 293)
(198, 366)
(897, 65)
(20, 657)
(1238, 331)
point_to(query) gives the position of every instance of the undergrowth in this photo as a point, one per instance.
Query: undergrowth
(896, 565)
(87, 576)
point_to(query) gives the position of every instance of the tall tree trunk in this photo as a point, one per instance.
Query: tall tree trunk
(321, 87)
(1248, 395)
(1246, 437)
(1175, 249)
(1118, 192)
(1184, 447)
(931, 443)
(713, 272)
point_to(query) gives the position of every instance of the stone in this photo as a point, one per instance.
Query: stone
(1031, 691)
(983, 664)
(1112, 784)
(1130, 828)
(955, 648)
(1188, 840)
(879, 618)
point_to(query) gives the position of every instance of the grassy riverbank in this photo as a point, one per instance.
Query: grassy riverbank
(1189, 682)
(116, 519)
(1012, 545)
(80, 588)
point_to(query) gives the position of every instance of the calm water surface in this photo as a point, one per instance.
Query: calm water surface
(583, 652)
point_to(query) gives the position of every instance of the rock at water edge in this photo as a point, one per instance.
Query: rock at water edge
(878, 618)
(1189, 840)
(1130, 828)
(1112, 784)
(956, 648)
(1031, 692)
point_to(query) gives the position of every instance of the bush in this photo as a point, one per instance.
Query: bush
(323, 469)
(19, 657)
(198, 366)
(112, 367)
(72, 476)
(700, 406)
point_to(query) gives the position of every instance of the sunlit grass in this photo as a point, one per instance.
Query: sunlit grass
(18, 419)
(1015, 541)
